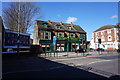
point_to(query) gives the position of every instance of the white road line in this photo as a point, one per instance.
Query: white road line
(68, 59)
(98, 61)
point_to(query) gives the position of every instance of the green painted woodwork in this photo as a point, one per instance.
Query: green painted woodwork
(45, 25)
(74, 39)
(62, 38)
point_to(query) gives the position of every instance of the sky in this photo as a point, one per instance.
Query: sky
(89, 15)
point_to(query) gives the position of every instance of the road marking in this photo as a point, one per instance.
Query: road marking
(68, 59)
(98, 61)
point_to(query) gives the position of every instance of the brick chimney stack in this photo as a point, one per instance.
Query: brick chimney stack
(61, 23)
(71, 25)
(49, 21)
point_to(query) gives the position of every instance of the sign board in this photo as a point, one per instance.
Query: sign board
(54, 40)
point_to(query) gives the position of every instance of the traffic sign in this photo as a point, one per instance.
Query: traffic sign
(54, 40)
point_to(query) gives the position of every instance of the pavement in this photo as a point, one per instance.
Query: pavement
(75, 55)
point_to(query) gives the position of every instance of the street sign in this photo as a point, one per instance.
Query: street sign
(54, 40)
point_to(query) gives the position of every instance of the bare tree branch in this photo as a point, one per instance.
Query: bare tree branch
(27, 12)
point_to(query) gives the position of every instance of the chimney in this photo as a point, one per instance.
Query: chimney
(49, 21)
(61, 23)
(71, 25)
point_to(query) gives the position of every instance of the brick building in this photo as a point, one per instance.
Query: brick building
(108, 35)
(68, 36)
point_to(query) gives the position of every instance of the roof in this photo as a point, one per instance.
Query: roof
(14, 32)
(52, 25)
(106, 27)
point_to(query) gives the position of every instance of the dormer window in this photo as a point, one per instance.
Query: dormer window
(45, 25)
(58, 26)
(69, 27)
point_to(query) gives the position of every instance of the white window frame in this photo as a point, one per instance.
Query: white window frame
(72, 34)
(109, 31)
(96, 33)
(58, 27)
(96, 39)
(44, 35)
(110, 38)
(69, 27)
(102, 38)
(58, 34)
(103, 33)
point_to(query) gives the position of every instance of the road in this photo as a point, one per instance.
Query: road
(107, 63)
(38, 67)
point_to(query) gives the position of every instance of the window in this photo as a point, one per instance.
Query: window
(46, 35)
(103, 38)
(45, 25)
(59, 26)
(72, 35)
(60, 34)
(96, 39)
(102, 33)
(109, 38)
(96, 33)
(109, 31)
(69, 27)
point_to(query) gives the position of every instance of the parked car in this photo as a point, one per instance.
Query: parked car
(81, 50)
(91, 49)
(100, 49)
(118, 50)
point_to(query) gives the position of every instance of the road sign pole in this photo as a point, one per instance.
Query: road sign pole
(54, 43)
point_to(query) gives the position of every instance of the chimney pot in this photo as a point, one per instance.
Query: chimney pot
(61, 23)
(49, 21)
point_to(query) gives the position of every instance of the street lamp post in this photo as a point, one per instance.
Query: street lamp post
(67, 45)
(18, 39)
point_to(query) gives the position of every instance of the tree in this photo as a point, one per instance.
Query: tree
(20, 14)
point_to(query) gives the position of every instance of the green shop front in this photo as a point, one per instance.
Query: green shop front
(63, 45)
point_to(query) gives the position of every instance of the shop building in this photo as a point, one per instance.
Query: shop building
(69, 37)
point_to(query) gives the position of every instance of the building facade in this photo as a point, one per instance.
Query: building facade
(69, 37)
(10, 40)
(107, 37)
